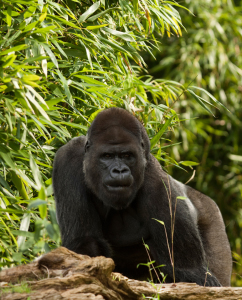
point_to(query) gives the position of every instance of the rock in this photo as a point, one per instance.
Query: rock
(63, 274)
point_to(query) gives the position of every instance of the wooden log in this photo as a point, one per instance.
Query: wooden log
(63, 274)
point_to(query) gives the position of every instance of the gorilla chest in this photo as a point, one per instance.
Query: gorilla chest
(124, 228)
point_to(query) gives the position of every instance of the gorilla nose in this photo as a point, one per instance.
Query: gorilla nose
(120, 172)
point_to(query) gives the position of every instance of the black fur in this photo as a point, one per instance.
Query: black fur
(108, 191)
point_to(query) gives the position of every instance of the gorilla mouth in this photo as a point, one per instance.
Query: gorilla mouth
(117, 187)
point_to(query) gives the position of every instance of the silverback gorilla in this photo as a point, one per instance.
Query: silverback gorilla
(108, 191)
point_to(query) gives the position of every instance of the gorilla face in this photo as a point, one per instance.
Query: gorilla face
(119, 164)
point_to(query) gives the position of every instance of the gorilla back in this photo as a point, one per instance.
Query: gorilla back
(108, 191)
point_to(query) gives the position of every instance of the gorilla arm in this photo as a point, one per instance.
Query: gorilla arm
(189, 256)
(80, 224)
(212, 230)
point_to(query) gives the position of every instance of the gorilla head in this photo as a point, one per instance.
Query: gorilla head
(116, 154)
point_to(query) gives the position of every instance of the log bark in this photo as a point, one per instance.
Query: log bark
(63, 274)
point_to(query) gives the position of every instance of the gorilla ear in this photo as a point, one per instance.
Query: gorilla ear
(87, 146)
(142, 144)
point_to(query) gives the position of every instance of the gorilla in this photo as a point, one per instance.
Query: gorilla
(110, 192)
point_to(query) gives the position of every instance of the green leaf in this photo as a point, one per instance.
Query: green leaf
(157, 137)
(9, 18)
(161, 222)
(35, 58)
(51, 231)
(4, 183)
(59, 48)
(74, 125)
(90, 80)
(89, 57)
(40, 109)
(135, 6)
(8, 160)
(42, 207)
(96, 26)
(3, 87)
(51, 54)
(189, 163)
(35, 172)
(9, 231)
(235, 157)
(19, 185)
(113, 45)
(44, 30)
(66, 87)
(210, 96)
(123, 35)
(22, 233)
(93, 115)
(75, 53)
(29, 12)
(43, 16)
(181, 197)
(8, 62)
(198, 99)
(102, 14)
(68, 23)
(17, 256)
(24, 226)
(30, 26)
(14, 49)
(89, 12)
(36, 203)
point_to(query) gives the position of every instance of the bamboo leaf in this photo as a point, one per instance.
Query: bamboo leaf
(59, 19)
(51, 54)
(135, 6)
(210, 96)
(35, 172)
(8, 62)
(96, 26)
(89, 12)
(42, 207)
(157, 137)
(66, 87)
(189, 163)
(200, 101)
(19, 185)
(113, 45)
(125, 36)
(40, 109)
(101, 14)
(24, 226)
(9, 18)
(14, 49)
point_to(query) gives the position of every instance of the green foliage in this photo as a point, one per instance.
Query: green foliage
(210, 53)
(61, 62)
(23, 287)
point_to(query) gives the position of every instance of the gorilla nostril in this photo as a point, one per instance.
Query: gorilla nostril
(120, 172)
(124, 171)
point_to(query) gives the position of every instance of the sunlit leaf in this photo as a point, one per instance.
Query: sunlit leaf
(89, 12)
(157, 137)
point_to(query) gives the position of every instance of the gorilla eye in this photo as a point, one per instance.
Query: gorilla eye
(126, 155)
(107, 155)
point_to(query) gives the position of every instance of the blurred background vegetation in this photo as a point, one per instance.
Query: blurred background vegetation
(171, 65)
